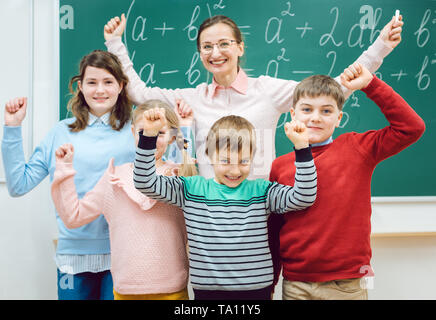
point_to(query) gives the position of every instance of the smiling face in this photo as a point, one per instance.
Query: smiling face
(231, 167)
(321, 116)
(100, 90)
(224, 63)
(230, 146)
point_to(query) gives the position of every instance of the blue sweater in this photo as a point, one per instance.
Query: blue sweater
(93, 148)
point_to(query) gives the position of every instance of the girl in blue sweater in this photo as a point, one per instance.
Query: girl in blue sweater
(99, 130)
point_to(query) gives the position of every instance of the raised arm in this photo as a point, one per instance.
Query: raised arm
(282, 198)
(21, 177)
(114, 27)
(302, 195)
(74, 212)
(281, 91)
(137, 90)
(372, 58)
(145, 179)
(113, 30)
(405, 125)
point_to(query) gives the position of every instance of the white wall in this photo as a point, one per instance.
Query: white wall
(404, 267)
(27, 224)
(404, 263)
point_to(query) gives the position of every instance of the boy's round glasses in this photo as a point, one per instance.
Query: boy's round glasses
(223, 45)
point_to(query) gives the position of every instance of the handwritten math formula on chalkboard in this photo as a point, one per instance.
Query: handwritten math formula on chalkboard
(284, 39)
(141, 28)
(277, 30)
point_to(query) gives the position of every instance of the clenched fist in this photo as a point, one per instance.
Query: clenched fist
(356, 77)
(15, 111)
(65, 153)
(114, 27)
(154, 121)
(296, 131)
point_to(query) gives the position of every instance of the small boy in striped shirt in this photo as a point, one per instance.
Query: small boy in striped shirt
(226, 217)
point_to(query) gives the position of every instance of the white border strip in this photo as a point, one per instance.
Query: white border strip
(31, 78)
(57, 68)
(402, 199)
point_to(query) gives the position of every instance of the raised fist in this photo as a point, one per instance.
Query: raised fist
(296, 131)
(65, 153)
(15, 111)
(154, 121)
(114, 27)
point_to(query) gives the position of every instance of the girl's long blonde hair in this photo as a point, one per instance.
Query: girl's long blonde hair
(188, 167)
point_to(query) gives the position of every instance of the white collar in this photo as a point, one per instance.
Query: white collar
(94, 119)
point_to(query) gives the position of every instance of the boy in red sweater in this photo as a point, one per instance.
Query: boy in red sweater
(325, 250)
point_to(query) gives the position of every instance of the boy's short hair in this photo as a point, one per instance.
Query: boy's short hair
(319, 85)
(232, 133)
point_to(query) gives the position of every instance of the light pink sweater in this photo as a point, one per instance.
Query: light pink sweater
(148, 238)
(260, 100)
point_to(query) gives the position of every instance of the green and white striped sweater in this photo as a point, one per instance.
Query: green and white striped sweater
(226, 227)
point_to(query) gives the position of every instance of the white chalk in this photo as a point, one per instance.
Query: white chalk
(397, 15)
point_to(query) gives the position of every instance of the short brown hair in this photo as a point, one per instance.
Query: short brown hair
(232, 133)
(319, 85)
(122, 110)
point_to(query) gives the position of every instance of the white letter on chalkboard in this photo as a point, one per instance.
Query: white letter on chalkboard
(359, 41)
(423, 76)
(67, 20)
(288, 12)
(329, 36)
(375, 32)
(277, 34)
(423, 31)
(150, 79)
(367, 21)
(276, 65)
(141, 34)
(193, 30)
(333, 62)
(219, 5)
(193, 74)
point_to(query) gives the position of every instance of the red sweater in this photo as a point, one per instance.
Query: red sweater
(331, 239)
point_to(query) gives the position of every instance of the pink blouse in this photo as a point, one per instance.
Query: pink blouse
(148, 238)
(260, 100)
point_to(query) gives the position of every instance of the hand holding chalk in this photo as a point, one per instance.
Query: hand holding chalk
(391, 33)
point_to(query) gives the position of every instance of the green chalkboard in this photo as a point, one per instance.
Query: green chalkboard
(284, 39)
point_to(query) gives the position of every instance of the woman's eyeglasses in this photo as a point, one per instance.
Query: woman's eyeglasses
(223, 45)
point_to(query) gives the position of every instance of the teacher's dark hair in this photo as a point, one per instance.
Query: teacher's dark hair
(219, 19)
